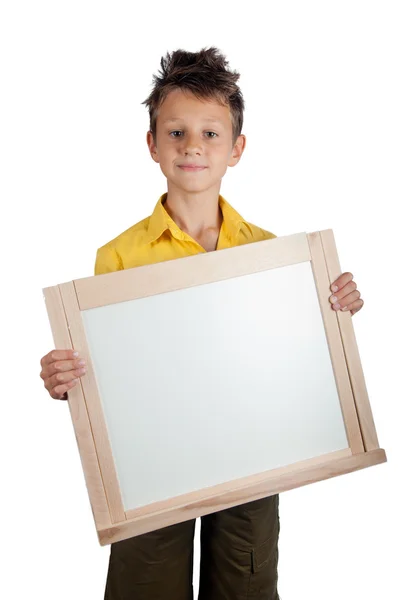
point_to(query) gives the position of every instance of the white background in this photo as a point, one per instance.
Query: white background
(320, 85)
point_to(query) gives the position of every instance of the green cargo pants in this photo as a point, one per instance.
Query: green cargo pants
(239, 558)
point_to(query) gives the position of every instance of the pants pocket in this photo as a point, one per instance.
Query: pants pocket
(264, 570)
(262, 554)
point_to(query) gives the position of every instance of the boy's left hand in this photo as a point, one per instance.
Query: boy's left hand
(346, 297)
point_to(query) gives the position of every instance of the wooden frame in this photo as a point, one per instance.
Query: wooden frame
(64, 304)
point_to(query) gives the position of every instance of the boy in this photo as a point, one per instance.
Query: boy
(196, 117)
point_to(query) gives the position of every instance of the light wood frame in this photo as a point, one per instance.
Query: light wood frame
(64, 304)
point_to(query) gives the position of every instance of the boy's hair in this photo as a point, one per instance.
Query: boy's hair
(204, 74)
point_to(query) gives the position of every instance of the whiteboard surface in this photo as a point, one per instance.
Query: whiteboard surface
(211, 383)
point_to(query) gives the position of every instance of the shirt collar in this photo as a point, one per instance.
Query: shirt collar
(160, 220)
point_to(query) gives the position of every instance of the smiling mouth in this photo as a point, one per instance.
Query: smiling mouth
(184, 168)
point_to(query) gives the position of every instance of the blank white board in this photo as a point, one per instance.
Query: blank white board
(212, 380)
(197, 378)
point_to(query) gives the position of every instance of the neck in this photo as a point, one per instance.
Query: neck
(195, 213)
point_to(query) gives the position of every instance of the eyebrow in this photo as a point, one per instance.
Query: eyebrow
(213, 120)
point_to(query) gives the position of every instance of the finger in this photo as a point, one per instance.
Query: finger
(64, 377)
(356, 306)
(60, 390)
(344, 291)
(346, 300)
(347, 289)
(54, 355)
(341, 281)
(62, 366)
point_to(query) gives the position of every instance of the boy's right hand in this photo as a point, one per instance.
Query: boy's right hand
(60, 370)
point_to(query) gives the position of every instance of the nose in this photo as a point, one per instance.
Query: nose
(192, 144)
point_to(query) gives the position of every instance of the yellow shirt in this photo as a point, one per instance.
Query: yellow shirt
(157, 238)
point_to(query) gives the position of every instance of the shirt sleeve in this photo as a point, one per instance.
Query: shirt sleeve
(107, 261)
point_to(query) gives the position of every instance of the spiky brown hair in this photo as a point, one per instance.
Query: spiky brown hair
(203, 73)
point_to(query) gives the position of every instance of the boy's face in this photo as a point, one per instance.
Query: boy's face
(186, 134)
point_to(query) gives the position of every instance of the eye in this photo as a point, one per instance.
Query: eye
(177, 131)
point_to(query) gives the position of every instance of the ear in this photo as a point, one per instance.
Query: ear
(237, 150)
(152, 146)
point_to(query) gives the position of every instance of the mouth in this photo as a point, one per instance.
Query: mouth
(193, 168)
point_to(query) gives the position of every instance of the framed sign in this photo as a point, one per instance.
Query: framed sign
(212, 380)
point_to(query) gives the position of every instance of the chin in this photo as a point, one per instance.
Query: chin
(188, 186)
(193, 189)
